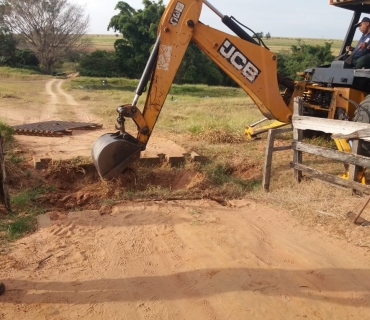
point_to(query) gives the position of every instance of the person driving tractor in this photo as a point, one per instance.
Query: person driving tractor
(360, 57)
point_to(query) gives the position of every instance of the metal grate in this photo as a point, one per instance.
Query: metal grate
(54, 128)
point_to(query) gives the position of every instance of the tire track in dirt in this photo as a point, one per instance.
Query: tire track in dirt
(70, 100)
(62, 104)
(51, 110)
(59, 106)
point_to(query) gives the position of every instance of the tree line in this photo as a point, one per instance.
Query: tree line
(52, 31)
(48, 31)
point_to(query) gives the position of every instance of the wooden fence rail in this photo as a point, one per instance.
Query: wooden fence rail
(355, 129)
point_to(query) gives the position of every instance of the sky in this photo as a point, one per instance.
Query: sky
(287, 18)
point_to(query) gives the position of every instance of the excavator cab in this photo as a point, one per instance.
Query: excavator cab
(334, 91)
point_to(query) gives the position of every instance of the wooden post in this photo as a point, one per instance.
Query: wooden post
(353, 169)
(268, 160)
(297, 136)
(268, 154)
(4, 190)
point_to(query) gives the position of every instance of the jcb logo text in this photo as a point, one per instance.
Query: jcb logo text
(176, 15)
(239, 61)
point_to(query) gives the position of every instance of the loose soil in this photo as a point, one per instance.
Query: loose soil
(178, 259)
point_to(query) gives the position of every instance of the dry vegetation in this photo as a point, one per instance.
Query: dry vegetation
(102, 42)
(204, 119)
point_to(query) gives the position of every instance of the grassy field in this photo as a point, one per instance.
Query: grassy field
(276, 44)
(279, 45)
(102, 41)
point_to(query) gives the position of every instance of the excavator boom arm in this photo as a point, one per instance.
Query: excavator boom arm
(250, 65)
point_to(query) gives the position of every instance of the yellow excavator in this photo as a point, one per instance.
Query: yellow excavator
(334, 91)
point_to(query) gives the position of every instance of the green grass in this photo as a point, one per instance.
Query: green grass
(22, 220)
(20, 73)
(6, 132)
(102, 42)
(218, 173)
(280, 45)
(209, 118)
(90, 83)
(228, 108)
(14, 158)
(24, 201)
(204, 91)
(20, 226)
(322, 140)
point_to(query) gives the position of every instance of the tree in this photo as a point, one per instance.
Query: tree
(303, 56)
(7, 42)
(50, 28)
(26, 58)
(268, 35)
(99, 64)
(258, 35)
(196, 67)
(7, 49)
(139, 30)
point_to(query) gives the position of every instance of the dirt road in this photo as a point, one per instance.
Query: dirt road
(183, 260)
(58, 102)
(178, 260)
(80, 142)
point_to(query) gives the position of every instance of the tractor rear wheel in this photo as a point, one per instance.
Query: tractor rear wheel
(362, 114)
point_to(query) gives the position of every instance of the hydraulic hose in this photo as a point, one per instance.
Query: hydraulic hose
(147, 71)
(233, 26)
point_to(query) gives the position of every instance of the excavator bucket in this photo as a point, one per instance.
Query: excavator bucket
(113, 152)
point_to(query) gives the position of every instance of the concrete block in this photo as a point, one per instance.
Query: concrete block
(42, 163)
(175, 160)
(196, 157)
(150, 161)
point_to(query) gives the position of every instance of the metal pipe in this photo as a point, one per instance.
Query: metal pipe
(227, 21)
(230, 23)
(289, 83)
(147, 71)
(258, 122)
(209, 5)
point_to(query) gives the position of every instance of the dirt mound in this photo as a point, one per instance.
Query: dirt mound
(186, 179)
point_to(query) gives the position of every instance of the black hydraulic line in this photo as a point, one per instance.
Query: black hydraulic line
(233, 26)
(286, 82)
(148, 68)
(351, 101)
